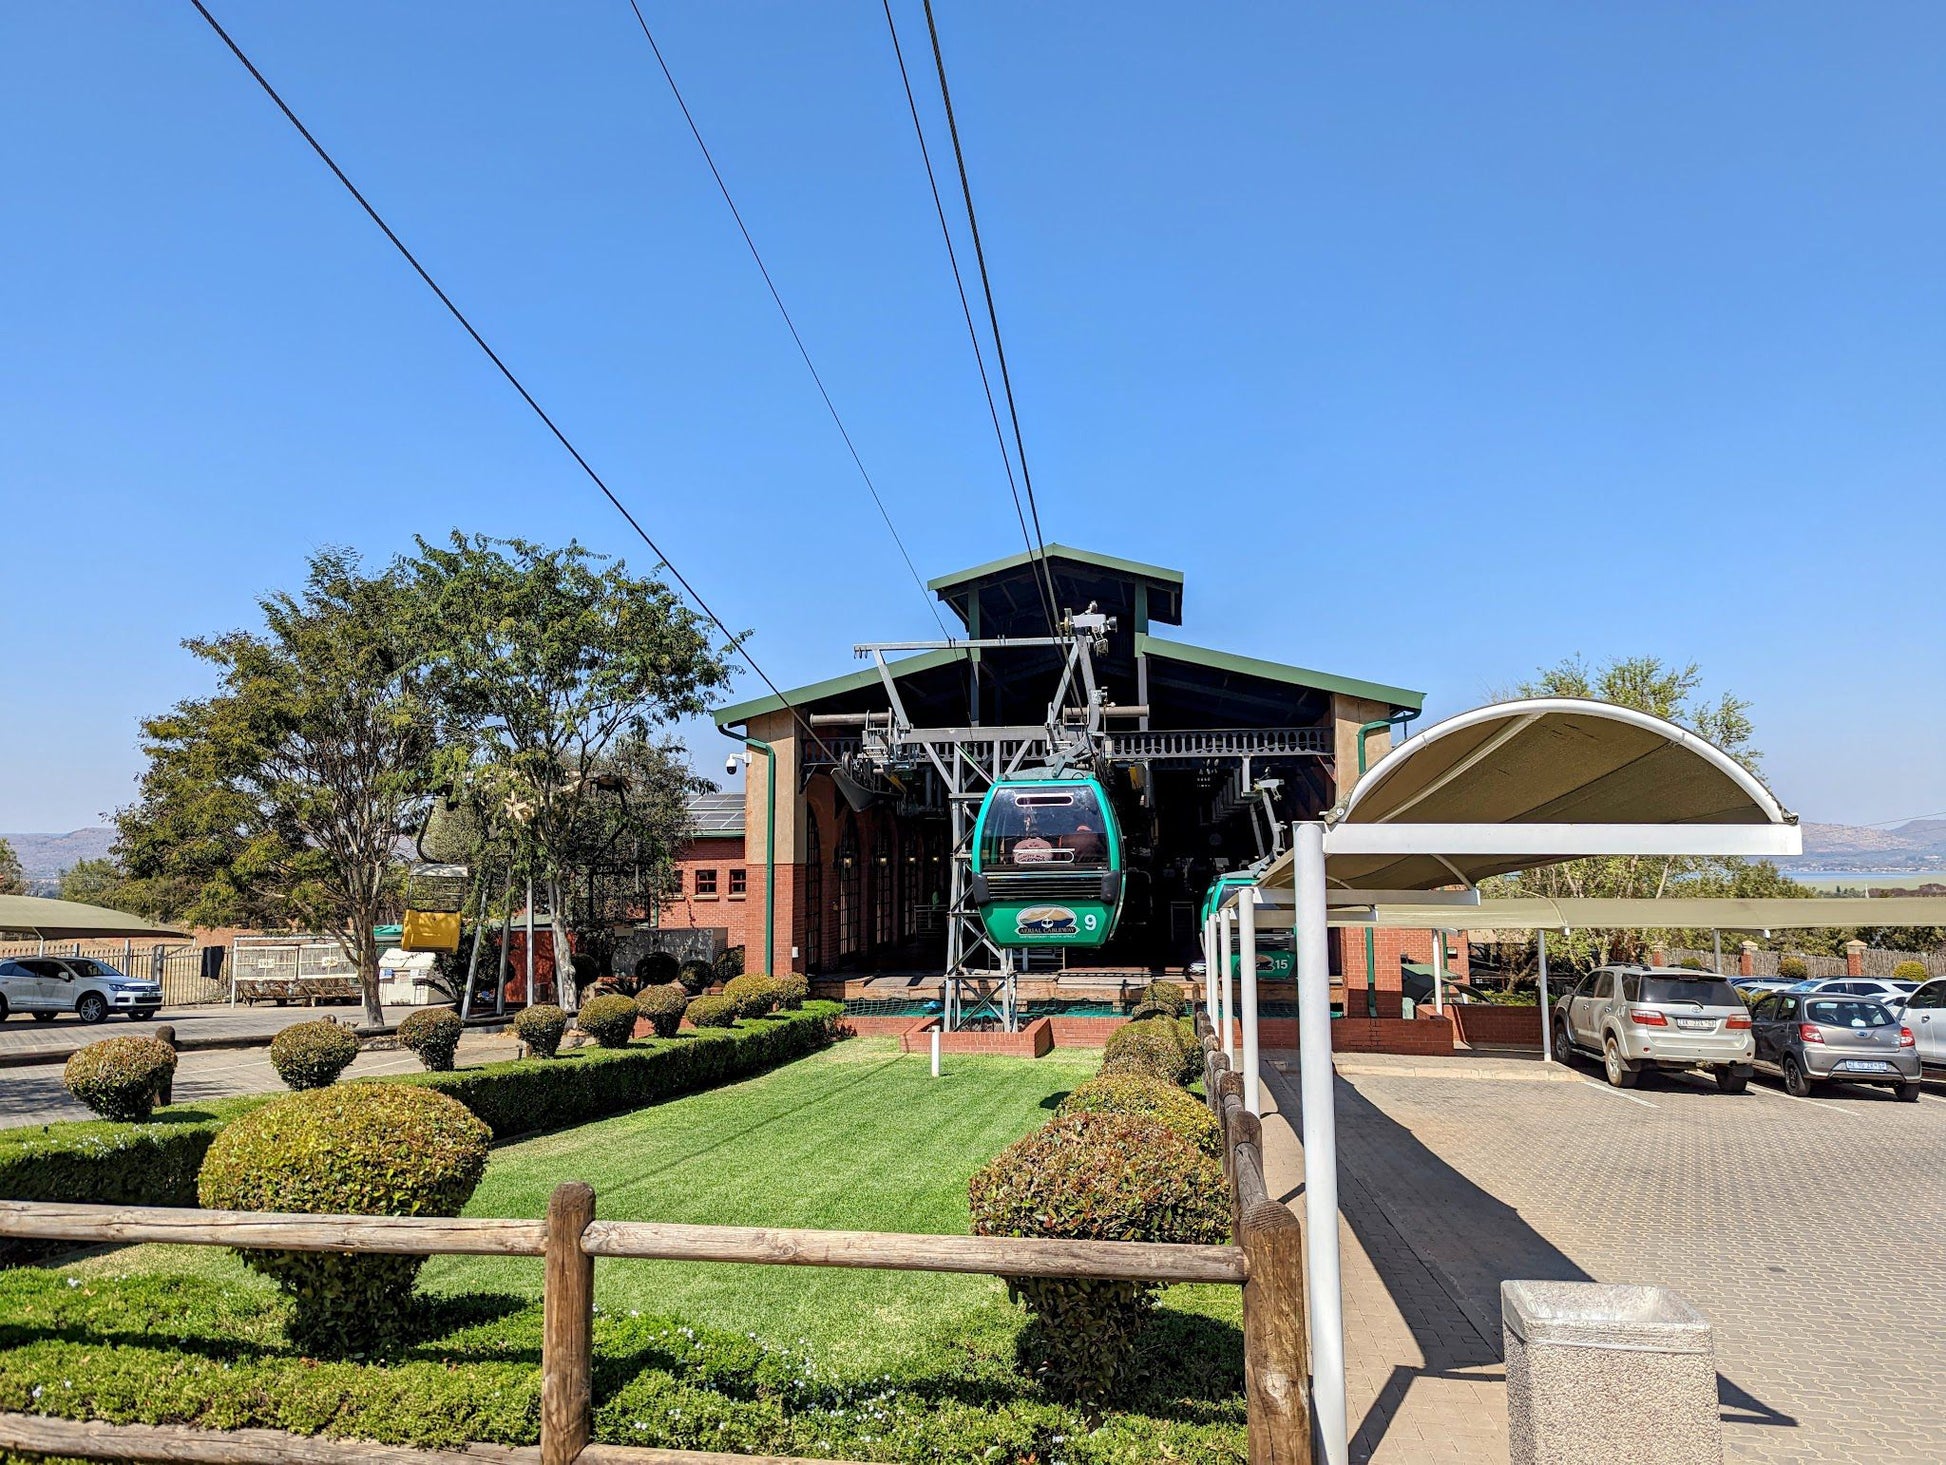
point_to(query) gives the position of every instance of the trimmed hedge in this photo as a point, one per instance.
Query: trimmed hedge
(1910, 971)
(120, 1078)
(1793, 968)
(1169, 996)
(433, 1034)
(592, 1083)
(793, 988)
(1152, 1048)
(1148, 1098)
(310, 1055)
(540, 1027)
(610, 1021)
(712, 1012)
(662, 1007)
(379, 1150)
(754, 994)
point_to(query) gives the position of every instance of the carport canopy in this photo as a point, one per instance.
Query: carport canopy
(1510, 786)
(35, 918)
(1540, 913)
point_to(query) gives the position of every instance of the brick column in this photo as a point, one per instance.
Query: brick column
(1749, 959)
(1658, 955)
(1854, 958)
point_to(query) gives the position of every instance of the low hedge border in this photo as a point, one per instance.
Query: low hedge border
(100, 1162)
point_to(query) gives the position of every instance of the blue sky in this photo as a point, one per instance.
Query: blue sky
(1433, 342)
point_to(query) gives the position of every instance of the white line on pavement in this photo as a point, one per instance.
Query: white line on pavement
(1614, 1093)
(1793, 1098)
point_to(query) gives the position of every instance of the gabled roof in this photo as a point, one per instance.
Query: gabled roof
(856, 681)
(1277, 671)
(1163, 585)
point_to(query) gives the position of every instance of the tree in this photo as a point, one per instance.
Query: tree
(94, 882)
(282, 798)
(546, 660)
(1646, 684)
(12, 880)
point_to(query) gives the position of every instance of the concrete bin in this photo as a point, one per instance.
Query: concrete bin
(1609, 1373)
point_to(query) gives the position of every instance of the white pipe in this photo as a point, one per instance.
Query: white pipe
(1225, 925)
(1547, 1016)
(1324, 1287)
(935, 1052)
(1209, 971)
(1247, 966)
(1439, 974)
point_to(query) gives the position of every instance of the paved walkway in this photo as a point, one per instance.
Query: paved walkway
(34, 1095)
(23, 1039)
(1423, 1377)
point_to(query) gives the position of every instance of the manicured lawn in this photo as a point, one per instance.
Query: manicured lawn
(856, 1137)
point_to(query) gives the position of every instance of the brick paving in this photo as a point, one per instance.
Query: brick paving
(1812, 1234)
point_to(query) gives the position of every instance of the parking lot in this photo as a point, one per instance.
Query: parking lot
(1811, 1232)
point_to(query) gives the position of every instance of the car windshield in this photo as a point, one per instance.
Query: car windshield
(1703, 991)
(1051, 825)
(1905, 987)
(85, 967)
(1850, 1012)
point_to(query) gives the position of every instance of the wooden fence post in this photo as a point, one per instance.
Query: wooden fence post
(567, 1327)
(1276, 1368)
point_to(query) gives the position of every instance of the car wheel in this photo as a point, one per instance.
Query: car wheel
(91, 1008)
(44, 1016)
(1731, 1082)
(1796, 1082)
(1907, 1093)
(141, 1014)
(5, 1011)
(1620, 1075)
(1563, 1042)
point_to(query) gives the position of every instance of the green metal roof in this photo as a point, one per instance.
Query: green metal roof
(1277, 671)
(856, 681)
(1135, 569)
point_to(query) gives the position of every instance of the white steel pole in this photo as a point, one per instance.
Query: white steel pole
(935, 1052)
(1247, 966)
(1209, 970)
(531, 999)
(1225, 925)
(1547, 1016)
(1439, 974)
(1324, 1287)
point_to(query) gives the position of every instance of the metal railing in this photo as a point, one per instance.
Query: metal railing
(1220, 742)
(179, 968)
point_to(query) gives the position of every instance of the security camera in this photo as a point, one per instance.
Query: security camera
(730, 764)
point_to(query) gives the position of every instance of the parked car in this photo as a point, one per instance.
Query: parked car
(1636, 1018)
(47, 986)
(1807, 1038)
(1762, 984)
(1925, 1018)
(1879, 989)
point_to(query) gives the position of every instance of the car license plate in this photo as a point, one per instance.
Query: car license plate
(1696, 1024)
(1866, 1065)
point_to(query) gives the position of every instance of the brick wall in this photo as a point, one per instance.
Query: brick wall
(1496, 1027)
(691, 911)
(1036, 1040)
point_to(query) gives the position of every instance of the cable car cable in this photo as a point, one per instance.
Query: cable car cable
(736, 641)
(966, 308)
(986, 286)
(932, 603)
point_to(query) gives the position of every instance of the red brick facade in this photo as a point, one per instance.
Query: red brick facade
(709, 870)
(1389, 949)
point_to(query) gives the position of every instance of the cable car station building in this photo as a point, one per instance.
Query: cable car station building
(1203, 752)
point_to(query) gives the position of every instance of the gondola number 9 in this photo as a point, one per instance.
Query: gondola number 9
(1089, 922)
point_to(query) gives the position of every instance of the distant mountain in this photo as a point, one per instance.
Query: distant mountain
(44, 856)
(1916, 844)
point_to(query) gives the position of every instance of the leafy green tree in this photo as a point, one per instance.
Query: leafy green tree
(547, 663)
(1674, 693)
(94, 882)
(281, 799)
(12, 880)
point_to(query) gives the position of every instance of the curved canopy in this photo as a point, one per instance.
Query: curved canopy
(36, 918)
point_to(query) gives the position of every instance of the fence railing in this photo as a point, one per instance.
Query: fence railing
(1266, 1265)
(179, 968)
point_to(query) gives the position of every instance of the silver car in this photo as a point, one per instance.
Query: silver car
(1637, 1018)
(1807, 1038)
(47, 986)
(1880, 989)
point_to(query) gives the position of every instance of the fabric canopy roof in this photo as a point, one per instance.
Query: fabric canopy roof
(34, 918)
(1540, 914)
(1546, 760)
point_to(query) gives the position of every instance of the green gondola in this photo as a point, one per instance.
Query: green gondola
(1276, 957)
(1047, 862)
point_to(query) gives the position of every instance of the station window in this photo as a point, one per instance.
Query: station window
(706, 882)
(739, 882)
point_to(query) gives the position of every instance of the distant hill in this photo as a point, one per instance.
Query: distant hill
(1919, 844)
(44, 856)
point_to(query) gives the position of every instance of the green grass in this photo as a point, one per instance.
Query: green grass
(856, 1137)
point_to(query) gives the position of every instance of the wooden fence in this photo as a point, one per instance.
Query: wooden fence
(1266, 1265)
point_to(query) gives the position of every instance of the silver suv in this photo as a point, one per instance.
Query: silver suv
(1635, 1018)
(50, 985)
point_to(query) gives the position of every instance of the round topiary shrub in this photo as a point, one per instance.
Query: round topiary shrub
(657, 969)
(792, 990)
(696, 976)
(610, 1021)
(1146, 1010)
(1793, 968)
(712, 1012)
(357, 1149)
(1148, 1098)
(1099, 1177)
(120, 1078)
(663, 1007)
(1910, 971)
(729, 965)
(433, 1034)
(755, 995)
(310, 1055)
(1169, 996)
(1152, 1048)
(540, 1028)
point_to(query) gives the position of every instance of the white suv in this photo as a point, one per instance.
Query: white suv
(1636, 1018)
(49, 985)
